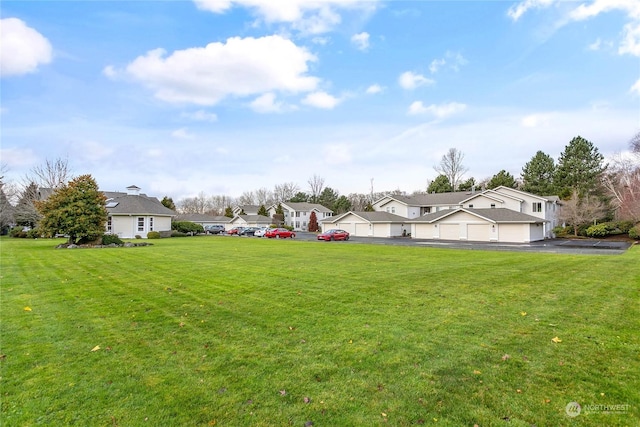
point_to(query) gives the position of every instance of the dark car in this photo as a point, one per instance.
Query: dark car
(279, 233)
(334, 234)
(247, 231)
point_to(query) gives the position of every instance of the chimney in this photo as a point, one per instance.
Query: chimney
(132, 190)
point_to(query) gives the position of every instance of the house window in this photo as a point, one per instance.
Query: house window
(140, 223)
(537, 207)
(297, 224)
(108, 224)
(471, 206)
(304, 224)
(393, 209)
(151, 224)
(388, 210)
(493, 205)
(297, 214)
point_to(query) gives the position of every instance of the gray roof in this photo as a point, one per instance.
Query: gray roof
(496, 215)
(304, 206)
(434, 199)
(202, 218)
(377, 216)
(257, 219)
(135, 205)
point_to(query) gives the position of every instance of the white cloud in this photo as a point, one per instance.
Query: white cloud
(454, 60)
(15, 157)
(200, 116)
(411, 80)
(266, 103)
(321, 100)
(636, 88)
(436, 64)
(374, 88)
(516, 11)
(439, 111)
(110, 72)
(23, 48)
(239, 67)
(596, 44)
(182, 133)
(361, 41)
(630, 43)
(94, 151)
(311, 17)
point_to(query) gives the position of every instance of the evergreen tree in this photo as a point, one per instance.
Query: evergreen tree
(300, 197)
(328, 198)
(168, 203)
(369, 207)
(263, 211)
(342, 205)
(579, 168)
(25, 212)
(441, 184)
(76, 209)
(313, 222)
(502, 178)
(468, 185)
(228, 212)
(537, 175)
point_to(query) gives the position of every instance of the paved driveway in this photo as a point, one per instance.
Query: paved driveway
(568, 246)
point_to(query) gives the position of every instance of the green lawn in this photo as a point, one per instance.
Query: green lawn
(252, 332)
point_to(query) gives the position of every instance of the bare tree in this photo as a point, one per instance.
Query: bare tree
(316, 185)
(635, 144)
(218, 204)
(52, 174)
(247, 198)
(283, 192)
(622, 184)
(451, 166)
(194, 205)
(264, 197)
(578, 211)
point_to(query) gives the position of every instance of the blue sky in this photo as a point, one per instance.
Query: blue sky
(228, 96)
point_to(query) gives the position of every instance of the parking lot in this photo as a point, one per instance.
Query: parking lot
(568, 246)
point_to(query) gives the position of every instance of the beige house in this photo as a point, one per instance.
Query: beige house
(298, 214)
(133, 214)
(372, 224)
(502, 214)
(248, 221)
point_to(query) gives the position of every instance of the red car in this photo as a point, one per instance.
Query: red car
(334, 234)
(279, 233)
(234, 230)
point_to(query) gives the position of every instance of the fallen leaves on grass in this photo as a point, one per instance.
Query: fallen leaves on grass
(506, 357)
(476, 372)
(96, 348)
(27, 308)
(306, 399)
(283, 392)
(556, 340)
(523, 313)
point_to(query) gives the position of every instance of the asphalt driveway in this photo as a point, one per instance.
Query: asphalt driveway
(568, 246)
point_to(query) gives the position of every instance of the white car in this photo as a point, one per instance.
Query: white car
(260, 232)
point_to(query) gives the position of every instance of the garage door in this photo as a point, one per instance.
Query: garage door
(478, 232)
(449, 231)
(362, 229)
(347, 226)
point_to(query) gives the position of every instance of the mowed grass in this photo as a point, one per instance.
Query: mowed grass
(251, 332)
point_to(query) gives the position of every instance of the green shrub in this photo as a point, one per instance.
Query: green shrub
(34, 233)
(634, 233)
(624, 226)
(187, 227)
(18, 232)
(599, 230)
(153, 235)
(108, 239)
(137, 236)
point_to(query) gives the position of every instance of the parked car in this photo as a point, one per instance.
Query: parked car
(279, 233)
(234, 231)
(214, 229)
(247, 231)
(334, 234)
(260, 232)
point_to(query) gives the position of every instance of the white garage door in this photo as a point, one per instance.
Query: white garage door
(478, 232)
(449, 231)
(362, 230)
(347, 226)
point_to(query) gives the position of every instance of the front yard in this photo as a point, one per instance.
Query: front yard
(255, 332)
